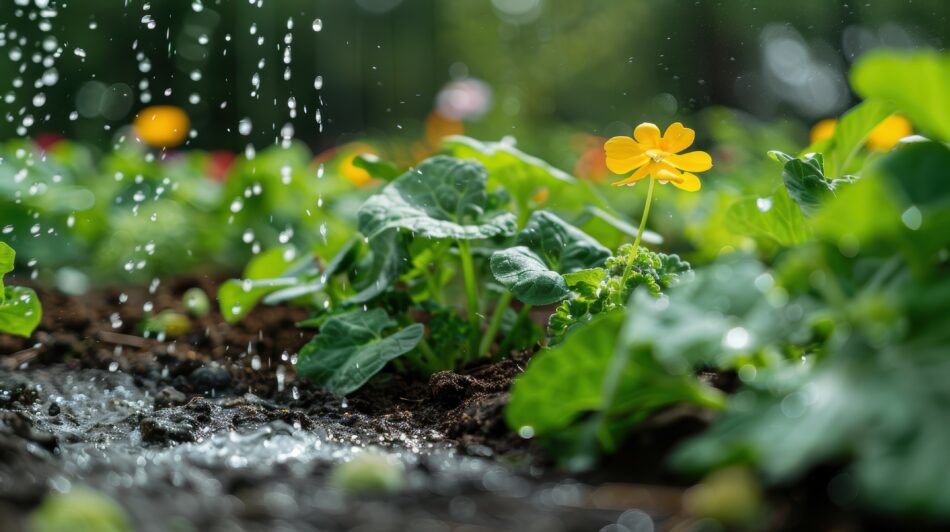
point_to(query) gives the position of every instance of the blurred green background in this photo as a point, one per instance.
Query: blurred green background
(597, 66)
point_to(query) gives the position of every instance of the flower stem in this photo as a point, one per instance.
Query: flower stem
(500, 307)
(471, 292)
(636, 241)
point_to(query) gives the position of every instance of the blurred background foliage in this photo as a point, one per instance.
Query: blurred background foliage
(598, 67)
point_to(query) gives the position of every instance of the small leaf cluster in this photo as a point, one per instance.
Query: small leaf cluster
(600, 290)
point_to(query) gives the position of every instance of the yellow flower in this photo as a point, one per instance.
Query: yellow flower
(161, 126)
(657, 156)
(883, 137)
(889, 132)
(824, 129)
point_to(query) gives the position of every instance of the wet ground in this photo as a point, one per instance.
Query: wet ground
(211, 431)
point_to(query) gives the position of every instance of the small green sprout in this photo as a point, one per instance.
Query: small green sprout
(197, 302)
(369, 472)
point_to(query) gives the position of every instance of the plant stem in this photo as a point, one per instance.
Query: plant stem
(500, 307)
(525, 309)
(332, 294)
(433, 360)
(636, 241)
(471, 292)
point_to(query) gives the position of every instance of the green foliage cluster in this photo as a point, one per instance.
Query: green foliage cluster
(836, 325)
(602, 290)
(413, 286)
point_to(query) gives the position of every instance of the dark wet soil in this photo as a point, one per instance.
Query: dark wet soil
(212, 430)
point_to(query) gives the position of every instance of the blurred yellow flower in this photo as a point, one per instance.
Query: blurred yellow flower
(161, 126)
(823, 130)
(883, 137)
(658, 156)
(889, 132)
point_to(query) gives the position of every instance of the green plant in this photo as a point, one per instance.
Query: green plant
(20, 310)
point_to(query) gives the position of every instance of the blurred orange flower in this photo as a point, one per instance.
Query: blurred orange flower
(657, 156)
(161, 126)
(592, 164)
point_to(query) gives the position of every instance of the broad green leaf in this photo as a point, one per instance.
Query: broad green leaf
(351, 348)
(7, 257)
(563, 384)
(774, 219)
(917, 83)
(377, 167)
(564, 247)
(851, 132)
(522, 175)
(727, 310)
(443, 197)
(876, 409)
(547, 247)
(527, 276)
(20, 311)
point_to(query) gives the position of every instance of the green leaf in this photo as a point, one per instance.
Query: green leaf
(275, 270)
(851, 132)
(527, 276)
(547, 247)
(20, 311)
(441, 198)
(877, 409)
(774, 219)
(917, 83)
(351, 348)
(806, 184)
(381, 269)
(7, 257)
(377, 167)
(564, 247)
(586, 282)
(727, 310)
(522, 175)
(564, 383)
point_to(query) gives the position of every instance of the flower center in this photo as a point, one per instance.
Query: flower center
(657, 155)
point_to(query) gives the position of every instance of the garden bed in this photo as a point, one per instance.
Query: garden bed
(88, 396)
(190, 424)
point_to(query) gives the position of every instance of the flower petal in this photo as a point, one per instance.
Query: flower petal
(622, 148)
(677, 138)
(688, 182)
(622, 166)
(694, 161)
(648, 135)
(638, 175)
(667, 174)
